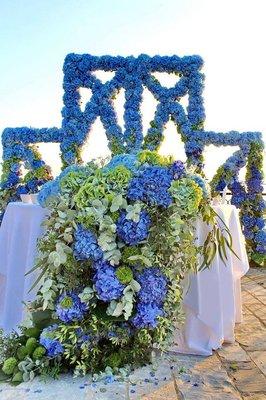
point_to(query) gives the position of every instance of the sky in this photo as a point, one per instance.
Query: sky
(36, 35)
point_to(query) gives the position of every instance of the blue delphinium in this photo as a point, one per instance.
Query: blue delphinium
(52, 345)
(106, 284)
(86, 246)
(146, 315)
(132, 232)
(69, 307)
(151, 185)
(153, 286)
(178, 170)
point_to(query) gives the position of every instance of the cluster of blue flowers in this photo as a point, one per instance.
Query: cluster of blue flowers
(52, 345)
(151, 185)
(106, 284)
(52, 188)
(69, 307)
(131, 74)
(86, 246)
(178, 170)
(132, 232)
(151, 297)
(127, 160)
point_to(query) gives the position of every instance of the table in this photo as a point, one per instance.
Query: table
(19, 232)
(212, 303)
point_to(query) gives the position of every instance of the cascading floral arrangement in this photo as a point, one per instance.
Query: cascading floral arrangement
(118, 242)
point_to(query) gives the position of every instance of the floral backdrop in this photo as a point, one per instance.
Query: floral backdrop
(133, 74)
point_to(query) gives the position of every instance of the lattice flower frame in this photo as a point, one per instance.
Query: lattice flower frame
(133, 74)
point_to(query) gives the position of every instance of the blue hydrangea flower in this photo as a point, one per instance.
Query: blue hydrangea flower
(12, 180)
(220, 185)
(132, 232)
(146, 316)
(106, 284)
(86, 246)
(21, 190)
(127, 160)
(49, 189)
(178, 170)
(261, 249)
(200, 182)
(260, 237)
(248, 233)
(260, 223)
(151, 185)
(52, 345)
(153, 286)
(69, 307)
(248, 220)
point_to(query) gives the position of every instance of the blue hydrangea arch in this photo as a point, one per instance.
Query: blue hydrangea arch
(133, 74)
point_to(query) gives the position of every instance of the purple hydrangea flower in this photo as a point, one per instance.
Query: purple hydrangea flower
(132, 232)
(69, 307)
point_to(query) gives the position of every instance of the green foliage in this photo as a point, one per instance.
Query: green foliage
(32, 332)
(124, 274)
(18, 377)
(187, 195)
(118, 177)
(154, 158)
(114, 360)
(38, 353)
(22, 352)
(31, 345)
(9, 365)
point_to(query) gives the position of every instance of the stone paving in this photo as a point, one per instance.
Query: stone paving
(235, 372)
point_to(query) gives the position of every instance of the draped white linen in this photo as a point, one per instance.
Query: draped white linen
(19, 232)
(212, 303)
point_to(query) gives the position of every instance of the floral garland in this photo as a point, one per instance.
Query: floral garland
(109, 275)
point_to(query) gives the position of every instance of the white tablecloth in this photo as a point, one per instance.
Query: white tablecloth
(19, 231)
(212, 303)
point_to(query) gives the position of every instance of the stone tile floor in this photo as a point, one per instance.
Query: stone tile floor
(237, 371)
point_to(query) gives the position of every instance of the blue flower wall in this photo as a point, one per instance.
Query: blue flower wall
(133, 74)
